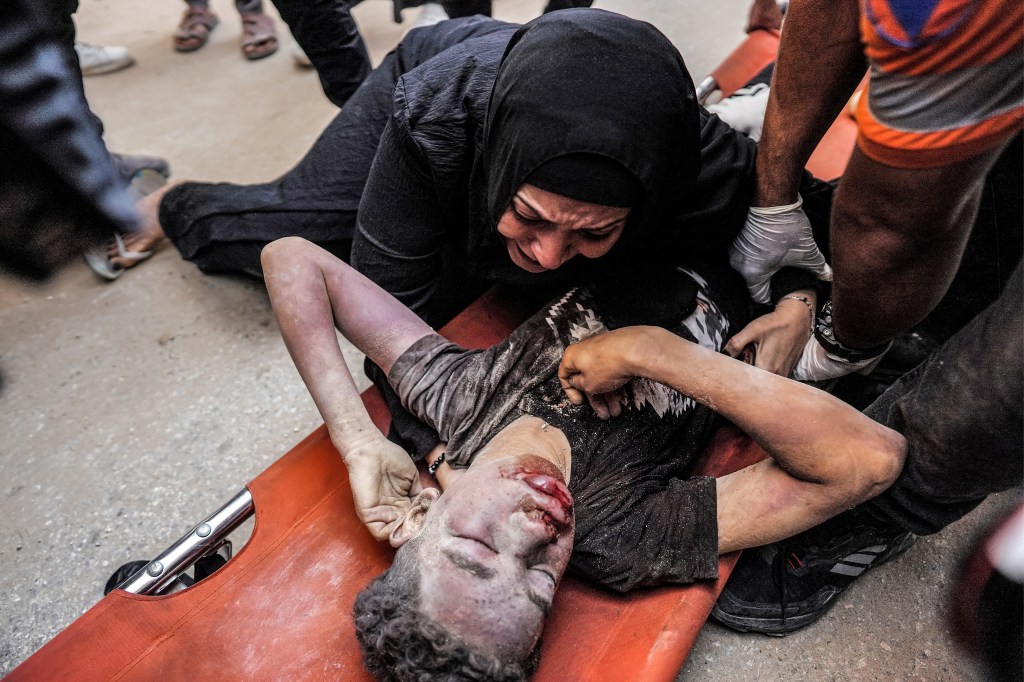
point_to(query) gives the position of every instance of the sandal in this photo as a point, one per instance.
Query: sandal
(259, 37)
(194, 29)
(101, 264)
(98, 262)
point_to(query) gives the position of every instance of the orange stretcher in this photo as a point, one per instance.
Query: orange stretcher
(281, 608)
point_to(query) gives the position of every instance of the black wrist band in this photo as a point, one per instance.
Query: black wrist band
(826, 336)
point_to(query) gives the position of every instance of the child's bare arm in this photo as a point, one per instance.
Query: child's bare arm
(826, 456)
(312, 292)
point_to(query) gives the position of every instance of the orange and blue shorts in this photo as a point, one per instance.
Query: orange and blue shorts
(946, 80)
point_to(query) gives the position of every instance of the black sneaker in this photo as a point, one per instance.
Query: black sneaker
(783, 587)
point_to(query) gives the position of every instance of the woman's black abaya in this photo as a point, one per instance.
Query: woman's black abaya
(422, 161)
(438, 182)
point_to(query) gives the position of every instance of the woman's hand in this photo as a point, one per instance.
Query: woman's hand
(778, 337)
(384, 479)
(597, 367)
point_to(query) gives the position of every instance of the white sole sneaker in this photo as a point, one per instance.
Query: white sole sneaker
(96, 59)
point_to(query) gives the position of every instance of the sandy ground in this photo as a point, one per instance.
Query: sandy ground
(133, 409)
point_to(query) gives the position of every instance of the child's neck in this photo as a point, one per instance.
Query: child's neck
(526, 434)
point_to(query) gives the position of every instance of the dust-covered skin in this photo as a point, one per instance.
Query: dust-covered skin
(500, 538)
(825, 455)
(640, 519)
(303, 281)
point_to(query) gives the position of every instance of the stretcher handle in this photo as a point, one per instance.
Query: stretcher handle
(705, 88)
(177, 558)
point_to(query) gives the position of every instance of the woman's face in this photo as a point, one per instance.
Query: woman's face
(543, 230)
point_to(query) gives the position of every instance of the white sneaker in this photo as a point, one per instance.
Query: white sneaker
(96, 59)
(430, 13)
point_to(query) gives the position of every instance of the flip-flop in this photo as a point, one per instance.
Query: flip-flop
(133, 256)
(101, 264)
(145, 182)
(194, 30)
(259, 36)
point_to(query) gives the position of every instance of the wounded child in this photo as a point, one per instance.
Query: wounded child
(535, 479)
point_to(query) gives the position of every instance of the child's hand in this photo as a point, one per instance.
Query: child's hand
(597, 367)
(384, 480)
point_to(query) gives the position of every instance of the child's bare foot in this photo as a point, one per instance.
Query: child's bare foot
(134, 248)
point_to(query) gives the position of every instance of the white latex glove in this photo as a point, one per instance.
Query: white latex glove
(774, 238)
(744, 110)
(816, 364)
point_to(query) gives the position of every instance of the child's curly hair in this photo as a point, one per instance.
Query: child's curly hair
(401, 644)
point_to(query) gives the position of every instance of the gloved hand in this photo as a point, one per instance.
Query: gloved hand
(774, 238)
(817, 364)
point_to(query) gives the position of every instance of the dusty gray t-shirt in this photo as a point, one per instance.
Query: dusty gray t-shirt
(639, 520)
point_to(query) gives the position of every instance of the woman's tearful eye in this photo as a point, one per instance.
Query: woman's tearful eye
(598, 235)
(529, 221)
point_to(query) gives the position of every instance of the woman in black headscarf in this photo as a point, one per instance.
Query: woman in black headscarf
(587, 105)
(570, 149)
(417, 170)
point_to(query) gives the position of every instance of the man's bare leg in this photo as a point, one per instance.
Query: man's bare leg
(897, 238)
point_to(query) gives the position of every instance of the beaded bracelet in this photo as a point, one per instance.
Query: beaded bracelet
(432, 468)
(806, 301)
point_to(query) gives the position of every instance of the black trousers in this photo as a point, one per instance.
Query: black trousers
(222, 227)
(960, 412)
(467, 8)
(327, 33)
(243, 6)
(330, 37)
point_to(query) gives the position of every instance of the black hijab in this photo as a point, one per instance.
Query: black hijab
(592, 82)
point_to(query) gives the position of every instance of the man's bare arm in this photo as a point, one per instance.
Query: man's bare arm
(820, 62)
(826, 456)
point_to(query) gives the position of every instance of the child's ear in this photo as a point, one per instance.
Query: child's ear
(412, 523)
